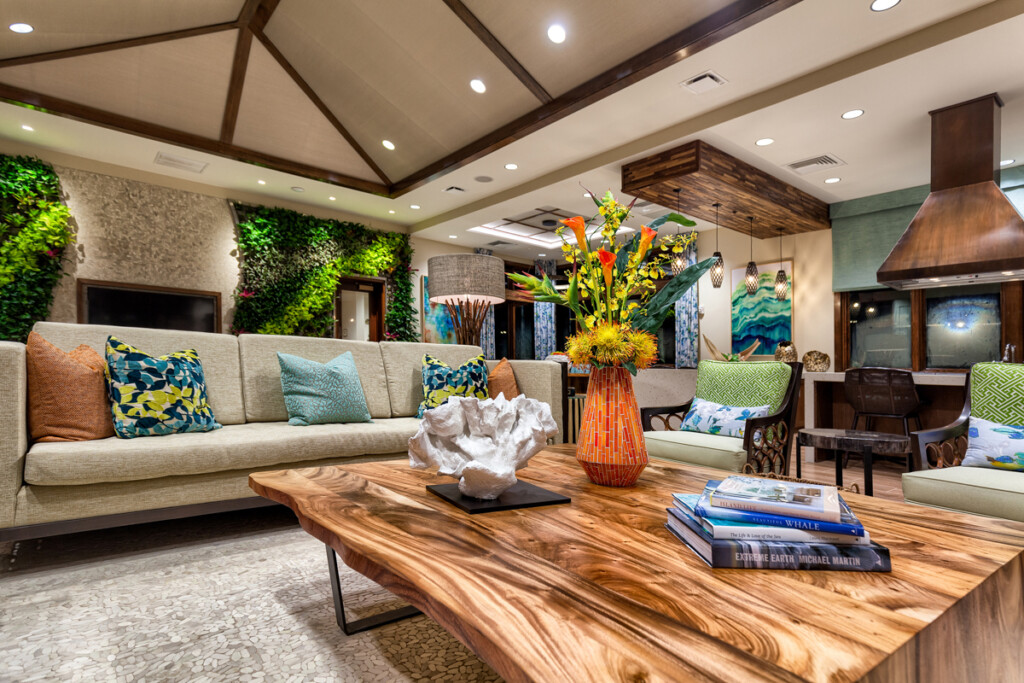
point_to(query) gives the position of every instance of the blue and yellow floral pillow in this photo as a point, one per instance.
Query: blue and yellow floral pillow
(440, 381)
(709, 417)
(990, 444)
(152, 396)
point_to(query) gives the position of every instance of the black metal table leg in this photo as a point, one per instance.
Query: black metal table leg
(868, 488)
(839, 467)
(360, 625)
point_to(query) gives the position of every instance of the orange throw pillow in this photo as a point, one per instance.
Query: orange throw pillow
(502, 381)
(67, 393)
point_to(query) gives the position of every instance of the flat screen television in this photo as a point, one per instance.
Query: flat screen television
(111, 303)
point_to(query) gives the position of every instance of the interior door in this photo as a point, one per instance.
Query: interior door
(359, 309)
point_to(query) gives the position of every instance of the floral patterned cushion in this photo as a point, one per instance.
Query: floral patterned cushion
(708, 417)
(990, 444)
(441, 381)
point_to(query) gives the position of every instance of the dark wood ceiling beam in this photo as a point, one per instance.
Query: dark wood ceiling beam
(248, 12)
(324, 109)
(263, 9)
(80, 112)
(723, 24)
(118, 44)
(234, 98)
(498, 50)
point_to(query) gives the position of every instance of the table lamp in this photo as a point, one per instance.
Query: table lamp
(466, 284)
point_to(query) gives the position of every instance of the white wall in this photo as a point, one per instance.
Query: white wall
(813, 308)
(423, 250)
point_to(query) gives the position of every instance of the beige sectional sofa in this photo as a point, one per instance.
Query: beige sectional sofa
(48, 488)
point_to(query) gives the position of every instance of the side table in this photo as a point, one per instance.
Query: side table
(867, 444)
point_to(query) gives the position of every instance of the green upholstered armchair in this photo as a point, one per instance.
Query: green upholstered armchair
(994, 391)
(766, 440)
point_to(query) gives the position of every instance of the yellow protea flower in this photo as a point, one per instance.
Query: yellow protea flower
(645, 348)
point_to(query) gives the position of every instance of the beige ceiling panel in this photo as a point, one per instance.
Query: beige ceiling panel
(599, 33)
(181, 84)
(64, 24)
(399, 70)
(277, 118)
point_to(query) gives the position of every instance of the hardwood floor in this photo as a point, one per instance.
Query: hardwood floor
(886, 474)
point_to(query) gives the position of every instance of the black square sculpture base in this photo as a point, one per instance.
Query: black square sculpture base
(520, 495)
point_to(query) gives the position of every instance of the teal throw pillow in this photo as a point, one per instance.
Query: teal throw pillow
(990, 444)
(440, 381)
(152, 396)
(322, 393)
(714, 418)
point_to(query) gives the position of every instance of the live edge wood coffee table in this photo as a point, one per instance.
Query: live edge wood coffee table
(599, 590)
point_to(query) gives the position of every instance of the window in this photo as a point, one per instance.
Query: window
(880, 329)
(962, 326)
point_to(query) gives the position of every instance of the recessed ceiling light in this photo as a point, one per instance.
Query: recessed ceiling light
(296, 188)
(262, 182)
(764, 142)
(934, 279)
(1007, 272)
(832, 181)
(453, 237)
(853, 114)
(391, 210)
(21, 28)
(483, 179)
(414, 206)
(541, 255)
(882, 5)
(27, 127)
(1004, 162)
(511, 167)
(332, 198)
(477, 85)
(387, 144)
(556, 33)
(587, 195)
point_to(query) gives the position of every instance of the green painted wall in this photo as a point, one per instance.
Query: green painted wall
(865, 230)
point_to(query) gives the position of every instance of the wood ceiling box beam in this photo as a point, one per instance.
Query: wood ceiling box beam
(324, 109)
(126, 124)
(706, 175)
(492, 43)
(234, 98)
(118, 44)
(723, 24)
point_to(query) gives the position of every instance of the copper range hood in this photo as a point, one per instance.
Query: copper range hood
(966, 231)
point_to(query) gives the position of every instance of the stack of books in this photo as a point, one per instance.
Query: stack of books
(753, 523)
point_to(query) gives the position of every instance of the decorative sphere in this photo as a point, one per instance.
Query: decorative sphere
(816, 361)
(785, 352)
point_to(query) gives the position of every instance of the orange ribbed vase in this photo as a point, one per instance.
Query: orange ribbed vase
(611, 445)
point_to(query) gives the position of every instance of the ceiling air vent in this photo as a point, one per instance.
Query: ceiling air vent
(180, 163)
(454, 189)
(819, 163)
(499, 243)
(701, 83)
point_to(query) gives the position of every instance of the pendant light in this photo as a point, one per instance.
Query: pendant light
(752, 278)
(679, 262)
(781, 281)
(718, 269)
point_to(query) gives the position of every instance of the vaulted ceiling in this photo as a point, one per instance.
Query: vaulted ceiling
(314, 87)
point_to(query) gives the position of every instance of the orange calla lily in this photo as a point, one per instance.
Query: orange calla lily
(579, 228)
(607, 263)
(647, 236)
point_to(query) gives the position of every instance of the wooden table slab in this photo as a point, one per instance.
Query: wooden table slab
(600, 590)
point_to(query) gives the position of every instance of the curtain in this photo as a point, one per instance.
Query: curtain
(687, 324)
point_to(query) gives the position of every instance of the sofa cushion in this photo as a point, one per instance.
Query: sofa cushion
(322, 393)
(997, 392)
(745, 383)
(261, 372)
(990, 444)
(708, 417)
(707, 450)
(442, 381)
(256, 444)
(219, 353)
(502, 380)
(979, 490)
(403, 363)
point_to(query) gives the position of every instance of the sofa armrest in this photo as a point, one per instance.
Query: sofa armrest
(13, 426)
(542, 380)
(944, 446)
(664, 415)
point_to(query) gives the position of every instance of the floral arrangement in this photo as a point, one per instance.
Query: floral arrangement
(613, 287)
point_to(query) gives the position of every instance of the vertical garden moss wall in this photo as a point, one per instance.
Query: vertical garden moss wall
(291, 263)
(34, 231)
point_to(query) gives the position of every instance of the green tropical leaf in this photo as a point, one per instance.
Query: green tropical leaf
(673, 217)
(658, 308)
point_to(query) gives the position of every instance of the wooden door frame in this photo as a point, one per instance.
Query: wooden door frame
(359, 283)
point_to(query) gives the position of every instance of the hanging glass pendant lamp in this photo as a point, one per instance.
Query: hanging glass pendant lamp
(679, 262)
(752, 278)
(718, 269)
(781, 281)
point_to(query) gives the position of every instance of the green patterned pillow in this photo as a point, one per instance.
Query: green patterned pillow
(322, 393)
(997, 392)
(152, 396)
(441, 381)
(746, 383)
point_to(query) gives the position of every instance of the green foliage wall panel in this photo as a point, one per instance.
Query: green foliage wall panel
(34, 231)
(291, 263)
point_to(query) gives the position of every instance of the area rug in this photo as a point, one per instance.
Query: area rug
(233, 597)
